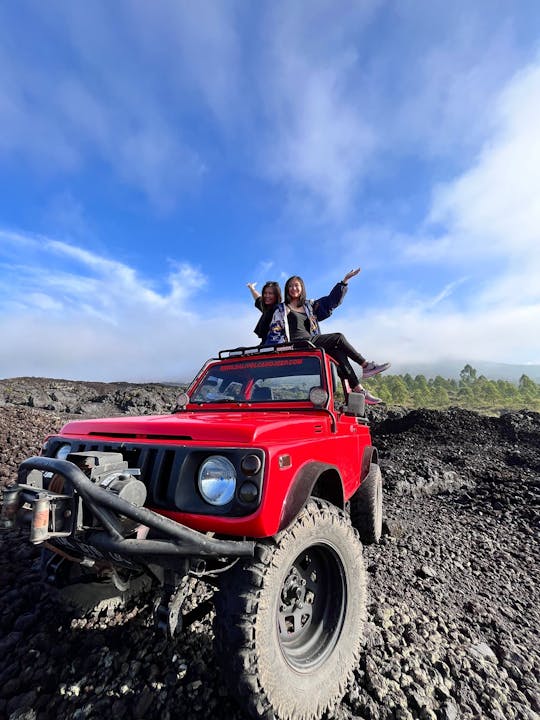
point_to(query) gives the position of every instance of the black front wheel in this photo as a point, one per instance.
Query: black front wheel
(289, 624)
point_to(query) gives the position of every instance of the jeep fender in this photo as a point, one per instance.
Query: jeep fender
(369, 456)
(330, 487)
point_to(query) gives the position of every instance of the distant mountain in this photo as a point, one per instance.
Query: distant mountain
(452, 369)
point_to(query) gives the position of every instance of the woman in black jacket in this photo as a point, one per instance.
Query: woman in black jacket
(266, 302)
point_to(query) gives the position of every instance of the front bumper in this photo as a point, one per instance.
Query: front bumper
(56, 517)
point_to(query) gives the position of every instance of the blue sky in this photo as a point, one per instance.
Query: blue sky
(155, 157)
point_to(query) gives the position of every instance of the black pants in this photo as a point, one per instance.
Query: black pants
(341, 350)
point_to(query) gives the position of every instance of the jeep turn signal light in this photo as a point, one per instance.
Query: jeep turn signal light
(250, 465)
(248, 492)
(284, 461)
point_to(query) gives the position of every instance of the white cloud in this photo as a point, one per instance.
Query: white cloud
(346, 96)
(42, 301)
(326, 146)
(91, 280)
(445, 293)
(479, 252)
(119, 87)
(414, 333)
(491, 213)
(305, 89)
(495, 203)
(197, 46)
(100, 319)
(450, 77)
(318, 141)
(144, 346)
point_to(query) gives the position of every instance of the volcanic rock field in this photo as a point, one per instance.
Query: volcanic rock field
(454, 605)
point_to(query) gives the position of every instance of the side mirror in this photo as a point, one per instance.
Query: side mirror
(356, 404)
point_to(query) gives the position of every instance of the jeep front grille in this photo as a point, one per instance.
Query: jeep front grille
(170, 472)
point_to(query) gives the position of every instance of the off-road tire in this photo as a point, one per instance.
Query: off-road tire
(366, 507)
(285, 661)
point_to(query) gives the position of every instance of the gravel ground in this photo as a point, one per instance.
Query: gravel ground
(454, 594)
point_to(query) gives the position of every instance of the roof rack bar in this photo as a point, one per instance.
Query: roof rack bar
(259, 349)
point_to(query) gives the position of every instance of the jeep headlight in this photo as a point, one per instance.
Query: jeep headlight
(217, 480)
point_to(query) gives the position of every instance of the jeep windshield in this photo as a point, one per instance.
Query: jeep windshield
(277, 379)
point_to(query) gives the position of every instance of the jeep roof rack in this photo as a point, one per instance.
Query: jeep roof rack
(260, 349)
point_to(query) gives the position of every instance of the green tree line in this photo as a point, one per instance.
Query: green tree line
(471, 391)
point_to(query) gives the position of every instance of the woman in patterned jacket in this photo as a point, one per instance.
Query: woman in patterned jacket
(298, 319)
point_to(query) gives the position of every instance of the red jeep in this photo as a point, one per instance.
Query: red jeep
(261, 482)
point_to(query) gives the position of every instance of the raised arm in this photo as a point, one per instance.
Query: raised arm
(324, 306)
(350, 275)
(255, 293)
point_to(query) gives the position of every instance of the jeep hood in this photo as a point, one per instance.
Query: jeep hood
(211, 427)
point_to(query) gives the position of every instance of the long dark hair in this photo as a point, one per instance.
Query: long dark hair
(288, 284)
(272, 285)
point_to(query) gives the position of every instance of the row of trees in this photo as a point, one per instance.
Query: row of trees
(470, 391)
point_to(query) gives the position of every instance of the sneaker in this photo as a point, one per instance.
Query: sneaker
(368, 397)
(373, 369)
(371, 399)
